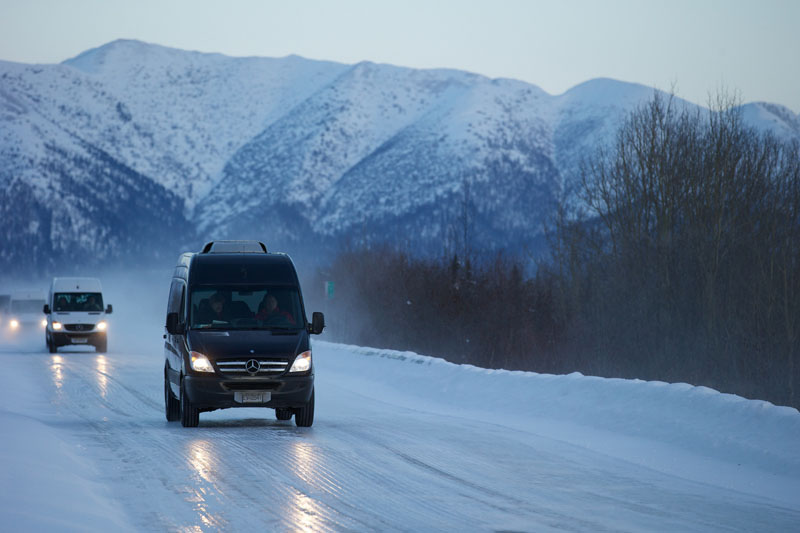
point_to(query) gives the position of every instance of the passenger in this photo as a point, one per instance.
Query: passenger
(269, 310)
(61, 304)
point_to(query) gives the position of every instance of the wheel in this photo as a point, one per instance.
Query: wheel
(190, 415)
(172, 406)
(304, 416)
(283, 413)
(102, 346)
(51, 344)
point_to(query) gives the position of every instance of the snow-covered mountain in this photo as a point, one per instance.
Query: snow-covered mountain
(134, 149)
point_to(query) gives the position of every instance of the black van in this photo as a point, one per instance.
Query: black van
(237, 335)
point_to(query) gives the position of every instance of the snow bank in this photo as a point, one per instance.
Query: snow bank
(693, 432)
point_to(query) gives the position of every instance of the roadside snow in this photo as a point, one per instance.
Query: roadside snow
(695, 433)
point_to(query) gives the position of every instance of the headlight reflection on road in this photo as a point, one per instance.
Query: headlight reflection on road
(202, 459)
(303, 461)
(309, 465)
(55, 367)
(101, 363)
(306, 513)
(199, 458)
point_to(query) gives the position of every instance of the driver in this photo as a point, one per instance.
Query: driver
(91, 304)
(218, 310)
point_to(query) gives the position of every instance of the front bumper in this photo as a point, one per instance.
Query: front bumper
(69, 338)
(219, 392)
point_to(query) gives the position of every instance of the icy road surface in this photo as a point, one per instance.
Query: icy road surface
(400, 443)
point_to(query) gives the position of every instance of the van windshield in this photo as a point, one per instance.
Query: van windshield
(77, 301)
(258, 307)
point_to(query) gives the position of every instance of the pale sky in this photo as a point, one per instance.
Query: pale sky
(696, 46)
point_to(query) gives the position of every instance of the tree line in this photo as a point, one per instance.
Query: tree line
(680, 262)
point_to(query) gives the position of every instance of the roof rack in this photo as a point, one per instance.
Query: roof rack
(234, 247)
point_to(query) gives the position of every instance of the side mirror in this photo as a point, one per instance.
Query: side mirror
(109, 309)
(317, 323)
(173, 326)
(46, 309)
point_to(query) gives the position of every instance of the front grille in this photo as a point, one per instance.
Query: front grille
(79, 327)
(238, 366)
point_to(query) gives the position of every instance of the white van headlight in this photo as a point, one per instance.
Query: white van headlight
(56, 326)
(200, 362)
(101, 326)
(302, 363)
(14, 323)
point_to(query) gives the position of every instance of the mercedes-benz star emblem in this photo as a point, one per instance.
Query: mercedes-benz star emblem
(252, 366)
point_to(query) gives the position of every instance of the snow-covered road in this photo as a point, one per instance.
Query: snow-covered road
(400, 442)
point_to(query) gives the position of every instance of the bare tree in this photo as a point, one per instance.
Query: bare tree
(687, 262)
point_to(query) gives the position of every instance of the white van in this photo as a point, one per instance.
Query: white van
(75, 314)
(24, 311)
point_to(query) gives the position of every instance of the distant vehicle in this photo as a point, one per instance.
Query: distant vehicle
(75, 314)
(5, 307)
(237, 335)
(25, 308)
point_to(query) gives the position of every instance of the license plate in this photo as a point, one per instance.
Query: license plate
(252, 397)
(79, 340)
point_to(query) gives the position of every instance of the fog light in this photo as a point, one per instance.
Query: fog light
(14, 323)
(44, 322)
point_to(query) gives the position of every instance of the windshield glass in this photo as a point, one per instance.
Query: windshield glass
(78, 301)
(260, 307)
(27, 306)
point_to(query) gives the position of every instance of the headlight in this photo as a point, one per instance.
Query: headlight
(302, 363)
(56, 325)
(44, 322)
(101, 326)
(14, 323)
(200, 362)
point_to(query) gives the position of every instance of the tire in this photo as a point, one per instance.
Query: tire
(102, 346)
(190, 415)
(283, 413)
(51, 344)
(172, 406)
(304, 416)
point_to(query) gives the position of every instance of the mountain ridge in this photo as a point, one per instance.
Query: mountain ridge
(302, 153)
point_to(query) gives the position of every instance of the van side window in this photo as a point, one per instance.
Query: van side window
(182, 308)
(177, 293)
